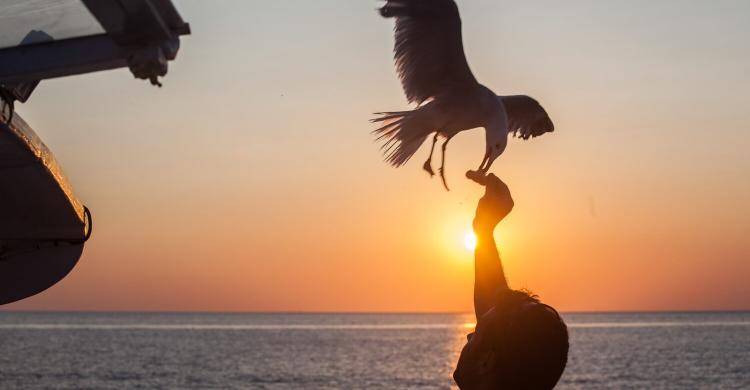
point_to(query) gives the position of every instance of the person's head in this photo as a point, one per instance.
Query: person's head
(518, 344)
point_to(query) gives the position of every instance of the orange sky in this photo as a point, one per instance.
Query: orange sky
(250, 182)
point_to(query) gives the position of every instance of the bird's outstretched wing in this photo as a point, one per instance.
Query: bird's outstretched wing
(526, 117)
(429, 51)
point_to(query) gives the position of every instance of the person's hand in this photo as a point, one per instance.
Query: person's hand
(494, 205)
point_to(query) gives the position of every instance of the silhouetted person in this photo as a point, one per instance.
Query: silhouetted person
(519, 343)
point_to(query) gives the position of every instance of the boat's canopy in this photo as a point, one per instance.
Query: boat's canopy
(42, 39)
(42, 225)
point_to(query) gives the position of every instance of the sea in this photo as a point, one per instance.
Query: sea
(55, 350)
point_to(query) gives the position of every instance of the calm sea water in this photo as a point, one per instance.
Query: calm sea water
(343, 351)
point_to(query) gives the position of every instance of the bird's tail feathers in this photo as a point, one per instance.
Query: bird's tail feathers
(402, 133)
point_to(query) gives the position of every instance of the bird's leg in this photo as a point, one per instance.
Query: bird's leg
(428, 164)
(442, 164)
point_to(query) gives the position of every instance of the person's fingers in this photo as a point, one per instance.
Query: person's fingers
(477, 177)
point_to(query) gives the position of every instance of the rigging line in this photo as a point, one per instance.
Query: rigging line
(6, 252)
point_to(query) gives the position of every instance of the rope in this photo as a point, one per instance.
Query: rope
(8, 103)
(34, 245)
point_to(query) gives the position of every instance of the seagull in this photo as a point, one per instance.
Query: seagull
(434, 73)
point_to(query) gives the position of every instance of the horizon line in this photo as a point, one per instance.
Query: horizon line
(304, 312)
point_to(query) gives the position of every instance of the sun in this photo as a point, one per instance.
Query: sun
(470, 241)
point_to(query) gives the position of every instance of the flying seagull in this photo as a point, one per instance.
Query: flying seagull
(431, 64)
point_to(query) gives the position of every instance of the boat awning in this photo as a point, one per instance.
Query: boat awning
(43, 39)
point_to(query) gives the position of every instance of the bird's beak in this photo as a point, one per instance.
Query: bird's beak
(493, 156)
(496, 141)
(489, 158)
(484, 160)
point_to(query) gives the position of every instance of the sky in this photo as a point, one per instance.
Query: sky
(251, 182)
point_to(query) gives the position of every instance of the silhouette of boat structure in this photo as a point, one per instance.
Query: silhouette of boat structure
(43, 226)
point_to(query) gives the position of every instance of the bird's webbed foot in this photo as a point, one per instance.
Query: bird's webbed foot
(428, 167)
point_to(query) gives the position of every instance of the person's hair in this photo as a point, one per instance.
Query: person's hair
(530, 341)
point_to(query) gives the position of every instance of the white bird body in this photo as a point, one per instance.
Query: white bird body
(434, 73)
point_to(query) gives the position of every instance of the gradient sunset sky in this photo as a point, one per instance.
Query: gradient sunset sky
(251, 182)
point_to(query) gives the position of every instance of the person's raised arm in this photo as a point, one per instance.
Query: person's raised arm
(488, 270)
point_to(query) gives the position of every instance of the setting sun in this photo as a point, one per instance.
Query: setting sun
(470, 241)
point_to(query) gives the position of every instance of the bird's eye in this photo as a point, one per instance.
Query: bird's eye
(497, 146)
